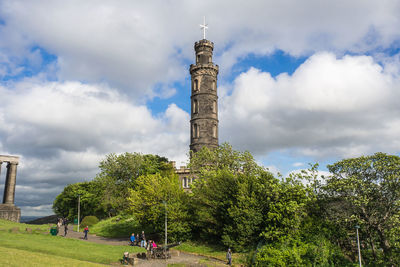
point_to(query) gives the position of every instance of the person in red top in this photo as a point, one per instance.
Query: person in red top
(86, 231)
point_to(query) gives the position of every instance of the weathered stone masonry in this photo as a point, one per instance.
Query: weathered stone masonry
(8, 210)
(204, 99)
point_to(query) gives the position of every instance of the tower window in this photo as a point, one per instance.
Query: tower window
(213, 85)
(214, 107)
(198, 58)
(215, 131)
(195, 85)
(195, 106)
(195, 131)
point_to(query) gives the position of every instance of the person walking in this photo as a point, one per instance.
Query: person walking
(142, 240)
(65, 229)
(229, 257)
(86, 231)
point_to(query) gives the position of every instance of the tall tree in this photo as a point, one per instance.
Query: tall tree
(158, 195)
(366, 191)
(118, 174)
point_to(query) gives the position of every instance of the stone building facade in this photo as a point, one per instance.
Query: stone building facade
(204, 105)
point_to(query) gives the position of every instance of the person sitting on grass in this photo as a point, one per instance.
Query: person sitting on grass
(133, 240)
(86, 231)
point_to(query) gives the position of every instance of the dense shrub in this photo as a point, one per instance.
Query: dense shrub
(89, 221)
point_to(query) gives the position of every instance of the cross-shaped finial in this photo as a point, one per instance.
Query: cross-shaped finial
(204, 27)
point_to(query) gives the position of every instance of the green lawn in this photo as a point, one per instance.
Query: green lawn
(210, 251)
(16, 257)
(60, 246)
(124, 227)
(8, 225)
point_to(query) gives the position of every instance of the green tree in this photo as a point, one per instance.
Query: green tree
(66, 203)
(366, 191)
(147, 203)
(118, 174)
(232, 197)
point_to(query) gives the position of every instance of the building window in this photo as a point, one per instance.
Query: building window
(184, 182)
(195, 85)
(195, 106)
(198, 59)
(195, 131)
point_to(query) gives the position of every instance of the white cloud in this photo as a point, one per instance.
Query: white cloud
(136, 45)
(62, 131)
(329, 107)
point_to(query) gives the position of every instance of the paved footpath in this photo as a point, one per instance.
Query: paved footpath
(183, 258)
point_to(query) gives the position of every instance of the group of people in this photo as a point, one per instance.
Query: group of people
(138, 240)
(62, 222)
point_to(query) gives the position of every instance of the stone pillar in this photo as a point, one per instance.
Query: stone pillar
(9, 187)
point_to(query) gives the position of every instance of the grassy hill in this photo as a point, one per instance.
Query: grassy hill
(17, 246)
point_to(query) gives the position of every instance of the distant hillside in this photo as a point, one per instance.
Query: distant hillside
(44, 220)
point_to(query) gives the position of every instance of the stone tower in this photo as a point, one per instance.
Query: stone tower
(204, 99)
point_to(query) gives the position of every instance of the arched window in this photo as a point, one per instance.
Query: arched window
(195, 106)
(195, 85)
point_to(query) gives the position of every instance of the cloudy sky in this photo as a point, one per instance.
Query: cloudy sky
(300, 82)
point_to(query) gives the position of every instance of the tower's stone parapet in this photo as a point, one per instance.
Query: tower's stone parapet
(204, 99)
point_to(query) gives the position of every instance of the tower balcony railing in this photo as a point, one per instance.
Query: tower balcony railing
(211, 65)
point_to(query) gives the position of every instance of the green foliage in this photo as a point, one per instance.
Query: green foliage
(107, 194)
(365, 191)
(66, 203)
(237, 202)
(147, 204)
(89, 221)
(118, 226)
(118, 174)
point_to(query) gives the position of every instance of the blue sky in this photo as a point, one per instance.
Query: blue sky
(300, 82)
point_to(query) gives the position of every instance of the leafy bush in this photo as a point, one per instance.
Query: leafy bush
(89, 221)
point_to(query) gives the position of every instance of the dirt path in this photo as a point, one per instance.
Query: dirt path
(95, 238)
(177, 256)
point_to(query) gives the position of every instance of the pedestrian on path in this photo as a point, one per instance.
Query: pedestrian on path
(65, 229)
(143, 240)
(229, 257)
(86, 231)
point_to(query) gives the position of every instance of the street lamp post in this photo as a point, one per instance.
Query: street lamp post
(166, 224)
(79, 210)
(358, 245)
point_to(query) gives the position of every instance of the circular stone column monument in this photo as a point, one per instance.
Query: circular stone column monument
(8, 210)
